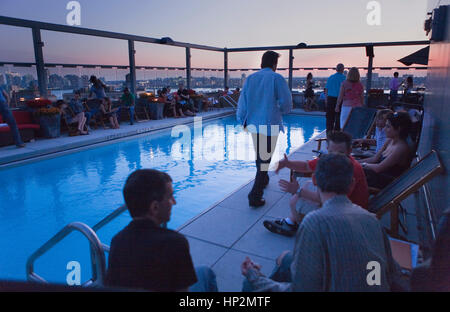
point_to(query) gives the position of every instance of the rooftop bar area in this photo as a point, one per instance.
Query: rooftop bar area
(58, 163)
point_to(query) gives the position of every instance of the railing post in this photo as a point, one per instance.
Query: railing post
(131, 53)
(188, 68)
(291, 65)
(370, 54)
(225, 68)
(39, 58)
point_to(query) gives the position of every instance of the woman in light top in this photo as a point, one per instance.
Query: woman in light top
(351, 95)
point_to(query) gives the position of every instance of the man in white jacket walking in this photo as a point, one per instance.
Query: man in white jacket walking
(264, 98)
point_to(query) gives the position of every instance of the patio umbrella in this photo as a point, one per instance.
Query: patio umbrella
(418, 57)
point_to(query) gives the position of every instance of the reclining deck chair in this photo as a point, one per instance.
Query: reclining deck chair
(389, 198)
(360, 122)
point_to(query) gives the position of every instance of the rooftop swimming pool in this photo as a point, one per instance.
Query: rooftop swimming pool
(206, 162)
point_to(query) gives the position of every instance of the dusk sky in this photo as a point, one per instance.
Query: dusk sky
(232, 23)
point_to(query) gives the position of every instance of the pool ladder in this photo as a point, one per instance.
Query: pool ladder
(98, 249)
(230, 101)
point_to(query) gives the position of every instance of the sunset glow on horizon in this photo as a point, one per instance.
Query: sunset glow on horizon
(222, 24)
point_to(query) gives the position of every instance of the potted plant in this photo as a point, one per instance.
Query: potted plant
(49, 117)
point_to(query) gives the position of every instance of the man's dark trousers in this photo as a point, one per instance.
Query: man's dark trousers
(333, 118)
(264, 148)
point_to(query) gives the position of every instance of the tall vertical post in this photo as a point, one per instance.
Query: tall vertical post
(370, 55)
(225, 68)
(131, 53)
(291, 65)
(188, 68)
(39, 59)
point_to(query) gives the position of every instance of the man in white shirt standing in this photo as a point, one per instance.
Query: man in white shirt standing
(264, 98)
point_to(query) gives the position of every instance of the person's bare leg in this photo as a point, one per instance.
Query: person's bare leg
(82, 124)
(111, 121)
(294, 215)
(174, 111)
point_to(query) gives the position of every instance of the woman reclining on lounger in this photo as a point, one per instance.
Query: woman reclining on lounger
(394, 157)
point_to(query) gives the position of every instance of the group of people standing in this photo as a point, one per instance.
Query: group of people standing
(342, 94)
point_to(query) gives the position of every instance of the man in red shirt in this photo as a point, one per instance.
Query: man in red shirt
(337, 142)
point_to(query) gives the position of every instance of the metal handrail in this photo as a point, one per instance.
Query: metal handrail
(97, 253)
(109, 218)
(230, 101)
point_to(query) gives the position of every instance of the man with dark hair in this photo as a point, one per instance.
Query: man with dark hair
(145, 255)
(264, 98)
(336, 245)
(98, 88)
(77, 107)
(304, 200)
(127, 100)
(332, 90)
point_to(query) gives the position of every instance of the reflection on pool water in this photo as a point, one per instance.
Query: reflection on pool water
(38, 199)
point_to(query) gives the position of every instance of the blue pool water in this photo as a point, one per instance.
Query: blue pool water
(206, 164)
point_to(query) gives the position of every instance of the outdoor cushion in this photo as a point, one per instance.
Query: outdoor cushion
(22, 117)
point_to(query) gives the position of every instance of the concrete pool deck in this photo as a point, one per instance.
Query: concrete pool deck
(230, 230)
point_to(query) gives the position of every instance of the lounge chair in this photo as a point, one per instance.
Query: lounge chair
(140, 110)
(359, 123)
(72, 127)
(389, 198)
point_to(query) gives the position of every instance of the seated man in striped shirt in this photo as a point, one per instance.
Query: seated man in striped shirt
(340, 247)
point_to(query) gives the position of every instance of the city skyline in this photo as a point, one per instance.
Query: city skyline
(57, 82)
(291, 22)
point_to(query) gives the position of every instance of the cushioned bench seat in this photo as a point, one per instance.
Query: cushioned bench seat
(27, 128)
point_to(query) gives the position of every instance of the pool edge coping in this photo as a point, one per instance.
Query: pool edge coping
(74, 147)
